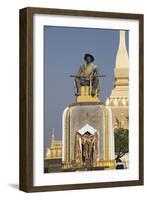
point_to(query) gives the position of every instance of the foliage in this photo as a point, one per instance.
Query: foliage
(121, 143)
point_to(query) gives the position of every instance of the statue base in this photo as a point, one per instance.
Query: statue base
(85, 95)
(88, 138)
(99, 165)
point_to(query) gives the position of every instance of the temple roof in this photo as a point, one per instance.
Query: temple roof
(87, 128)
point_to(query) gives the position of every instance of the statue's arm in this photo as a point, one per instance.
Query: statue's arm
(80, 71)
(95, 71)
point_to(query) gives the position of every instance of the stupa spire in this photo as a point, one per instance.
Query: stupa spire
(118, 100)
(122, 63)
(122, 60)
(53, 135)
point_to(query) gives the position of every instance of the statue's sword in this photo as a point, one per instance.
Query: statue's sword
(90, 85)
(75, 76)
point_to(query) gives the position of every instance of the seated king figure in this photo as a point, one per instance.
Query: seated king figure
(88, 75)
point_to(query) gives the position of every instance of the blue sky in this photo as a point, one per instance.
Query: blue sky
(64, 48)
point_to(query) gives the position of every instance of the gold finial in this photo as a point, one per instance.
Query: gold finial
(53, 135)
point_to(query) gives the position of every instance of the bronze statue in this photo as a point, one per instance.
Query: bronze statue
(88, 75)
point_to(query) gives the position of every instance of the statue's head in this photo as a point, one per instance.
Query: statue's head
(88, 58)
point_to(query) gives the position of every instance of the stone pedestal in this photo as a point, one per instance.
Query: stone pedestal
(88, 139)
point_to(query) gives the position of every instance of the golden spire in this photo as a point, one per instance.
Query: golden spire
(122, 60)
(119, 95)
(53, 135)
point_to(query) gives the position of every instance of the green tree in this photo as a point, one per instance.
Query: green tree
(121, 143)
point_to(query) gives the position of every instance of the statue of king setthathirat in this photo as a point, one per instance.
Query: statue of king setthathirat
(88, 75)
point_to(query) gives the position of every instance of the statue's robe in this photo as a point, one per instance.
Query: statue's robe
(88, 70)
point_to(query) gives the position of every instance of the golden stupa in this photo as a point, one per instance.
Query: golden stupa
(118, 101)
